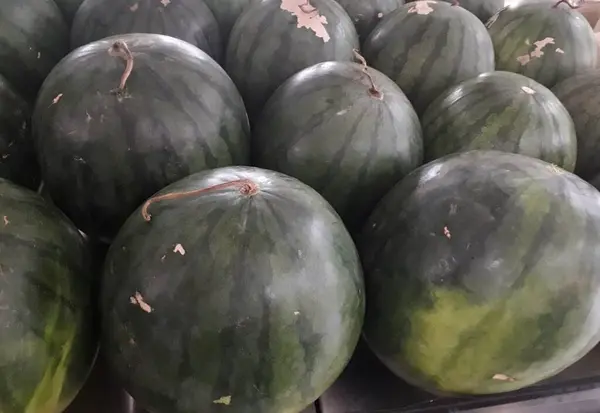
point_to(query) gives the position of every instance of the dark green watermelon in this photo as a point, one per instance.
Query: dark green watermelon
(482, 273)
(17, 157)
(226, 12)
(428, 46)
(545, 42)
(103, 149)
(189, 20)
(502, 111)
(274, 39)
(244, 288)
(367, 14)
(349, 139)
(47, 336)
(580, 94)
(483, 9)
(33, 38)
(68, 8)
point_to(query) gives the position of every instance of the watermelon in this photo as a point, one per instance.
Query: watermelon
(226, 12)
(366, 14)
(189, 20)
(68, 8)
(427, 47)
(274, 39)
(545, 42)
(347, 131)
(47, 340)
(482, 273)
(502, 111)
(483, 9)
(122, 117)
(242, 286)
(33, 38)
(580, 95)
(17, 157)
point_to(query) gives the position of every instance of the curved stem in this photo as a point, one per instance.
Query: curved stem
(246, 187)
(120, 49)
(373, 90)
(307, 8)
(568, 3)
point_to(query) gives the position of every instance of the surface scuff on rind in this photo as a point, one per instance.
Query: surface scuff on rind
(308, 16)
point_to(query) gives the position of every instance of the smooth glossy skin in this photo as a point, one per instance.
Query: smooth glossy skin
(367, 14)
(47, 339)
(245, 303)
(226, 12)
(189, 20)
(102, 153)
(501, 111)
(68, 8)
(580, 94)
(543, 42)
(326, 127)
(33, 38)
(482, 273)
(483, 9)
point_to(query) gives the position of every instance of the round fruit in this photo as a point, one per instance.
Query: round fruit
(482, 273)
(274, 39)
(33, 38)
(122, 117)
(347, 131)
(189, 20)
(47, 340)
(545, 42)
(428, 46)
(241, 285)
(502, 111)
(580, 94)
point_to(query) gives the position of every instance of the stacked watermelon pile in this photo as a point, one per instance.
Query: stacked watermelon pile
(275, 178)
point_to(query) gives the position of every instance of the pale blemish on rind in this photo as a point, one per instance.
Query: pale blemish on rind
(559, 50)
(179, 249)
(134, 7)
(57, 98)
(503, 377)
(421, 7)
(308, 16)
(226, 400)
(165, 2)
(138, 300)
(537, 52)
(528, 90)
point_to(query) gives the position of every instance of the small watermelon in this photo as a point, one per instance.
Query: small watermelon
(428, 46)
(544, 41)
(502, 111)
(122, 117)
(346, 130)
(243, 288)
(189, 20)
(47, 337)
(483, 273)
(580, 94)
(274, 39)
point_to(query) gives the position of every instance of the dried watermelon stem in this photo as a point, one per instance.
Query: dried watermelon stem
(120, 49)
(568, 2)
(373, 90)
(307, 8)
(245, 186)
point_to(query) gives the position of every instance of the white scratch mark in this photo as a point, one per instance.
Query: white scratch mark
(179, 248)
(421, 7)
(226, 400)
(528, 90)
(137, 299)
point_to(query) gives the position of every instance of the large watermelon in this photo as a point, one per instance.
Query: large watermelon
(33, 38)
(227, 12)
(545, 42)
(68, 8)
(104, 148)
(47, 338)
(347, 131)
(17, 157)
(366, 14)
(503, 111)
(580, 94)
(243, 288)
(189, 20)
(274, 39)
(428, 46)
(483, 273)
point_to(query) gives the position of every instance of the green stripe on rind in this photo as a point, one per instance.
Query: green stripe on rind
(266, 47)
(568, 42)
(502, 111)
(580, 95)
(325, 128)
(47, 344)
(510, 290)
(429, 52)
(236, 318)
